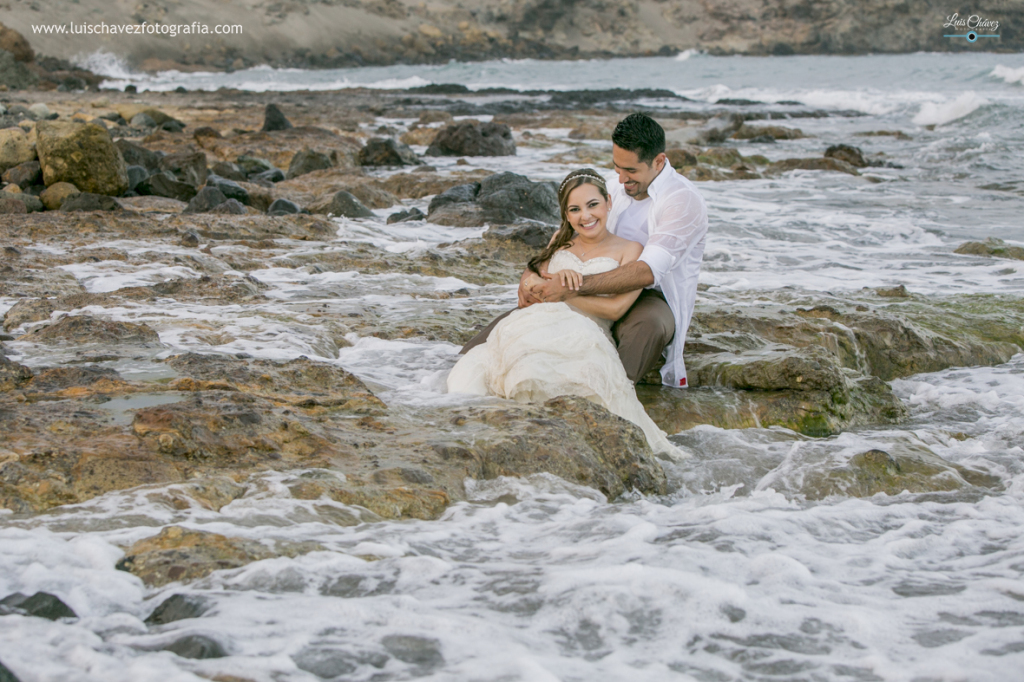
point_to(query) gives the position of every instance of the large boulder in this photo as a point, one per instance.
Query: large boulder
(15, 148)
(82, 154)
(473, 138)
(385, 151)
(501, 198)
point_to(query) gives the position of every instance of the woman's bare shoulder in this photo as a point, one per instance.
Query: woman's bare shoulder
(627, 249)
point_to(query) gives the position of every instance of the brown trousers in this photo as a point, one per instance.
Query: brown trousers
(641, 334)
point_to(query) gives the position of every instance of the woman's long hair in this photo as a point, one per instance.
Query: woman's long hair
(582, 176)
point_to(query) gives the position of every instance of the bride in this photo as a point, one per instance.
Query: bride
(552, 349)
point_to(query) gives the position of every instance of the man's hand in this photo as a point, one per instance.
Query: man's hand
(526, 283)
(552, 290)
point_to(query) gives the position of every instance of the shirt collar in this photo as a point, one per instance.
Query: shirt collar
(657, 183)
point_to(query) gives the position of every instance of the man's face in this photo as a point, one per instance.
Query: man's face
(635, 175)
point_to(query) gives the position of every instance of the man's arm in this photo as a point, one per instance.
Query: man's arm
(630, 277)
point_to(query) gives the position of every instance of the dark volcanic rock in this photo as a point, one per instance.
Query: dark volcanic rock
(386, 151)
(197, 646)
(405, 216)
(187, 166)
(136, 175)
(274, 119)
(307, 161)
(86, 201)
(230, 207)
(178, 607)
(345, 204)
(135, 155)
(844, 152)
(31, 203)
(40, 605)
(205, 200)
(24, 175)
(472, 138)
(283, 207)
(272, 175)
(229, 188)
(228, 170)
(162, 184)
(501, 198)
(251, 165)
(88, 329)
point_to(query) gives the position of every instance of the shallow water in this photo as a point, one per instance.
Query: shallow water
(734, 576)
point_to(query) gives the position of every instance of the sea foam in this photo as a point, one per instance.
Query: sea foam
(1008, 74)
(940, 113)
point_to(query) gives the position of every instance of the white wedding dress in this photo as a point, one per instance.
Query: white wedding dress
(553, 349)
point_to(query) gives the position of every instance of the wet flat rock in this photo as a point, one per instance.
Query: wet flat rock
(300, 382)
(88, 329)
(179, 554)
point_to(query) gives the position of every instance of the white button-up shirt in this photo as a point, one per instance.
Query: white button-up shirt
(677, 226)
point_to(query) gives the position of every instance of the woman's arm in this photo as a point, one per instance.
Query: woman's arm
(612, 307)
(606, 307)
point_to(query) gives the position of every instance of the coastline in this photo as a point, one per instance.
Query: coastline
(310, 34)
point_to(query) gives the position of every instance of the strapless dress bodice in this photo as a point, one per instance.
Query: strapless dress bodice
(567, 260)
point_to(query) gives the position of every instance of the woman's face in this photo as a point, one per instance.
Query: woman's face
(587, 211)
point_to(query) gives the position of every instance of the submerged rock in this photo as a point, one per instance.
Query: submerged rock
(827, 163)
(197, 647)
(913, 470)
(40, 605)
(848, 153)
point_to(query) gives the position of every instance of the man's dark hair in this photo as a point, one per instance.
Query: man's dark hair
(640, 134)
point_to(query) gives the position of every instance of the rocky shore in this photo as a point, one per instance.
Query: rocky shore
(216, 186)
(342, 33)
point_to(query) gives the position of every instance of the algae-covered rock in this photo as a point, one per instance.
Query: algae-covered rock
(15, 148)
(824, 163)
(82, 154)
(990, 247)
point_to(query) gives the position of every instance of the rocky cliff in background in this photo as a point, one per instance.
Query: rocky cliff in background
(340, 33)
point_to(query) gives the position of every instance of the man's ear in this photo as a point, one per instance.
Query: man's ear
(659, 161)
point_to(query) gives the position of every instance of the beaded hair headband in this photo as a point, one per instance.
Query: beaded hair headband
(581, 175)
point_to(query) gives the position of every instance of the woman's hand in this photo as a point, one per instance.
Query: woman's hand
(570, 279)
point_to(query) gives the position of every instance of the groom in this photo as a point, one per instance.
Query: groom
(656, 206)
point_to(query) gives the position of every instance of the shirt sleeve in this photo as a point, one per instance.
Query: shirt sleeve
(680, 220)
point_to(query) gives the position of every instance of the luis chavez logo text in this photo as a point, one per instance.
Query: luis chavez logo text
(973, 27)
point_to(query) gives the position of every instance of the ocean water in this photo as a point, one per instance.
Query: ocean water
(732, 576)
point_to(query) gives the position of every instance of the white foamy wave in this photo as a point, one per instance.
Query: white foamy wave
(686, 54)
(105, 64)
(940, 113)
(1008, 74)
